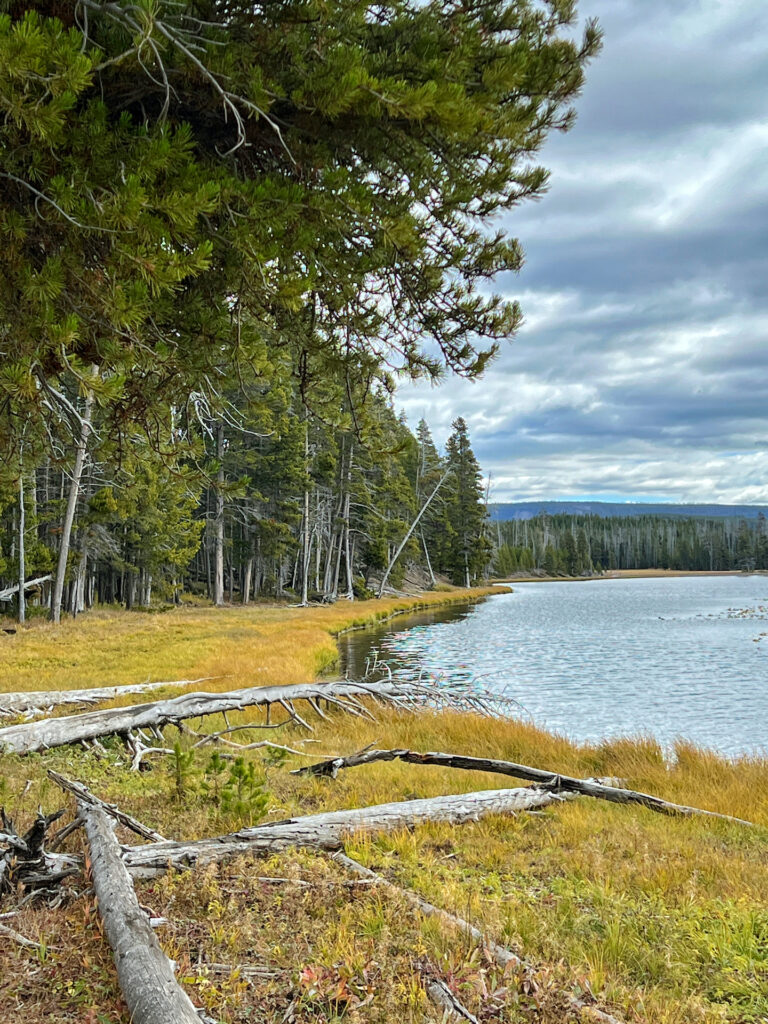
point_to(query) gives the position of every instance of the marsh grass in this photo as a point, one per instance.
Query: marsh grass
(665, 919)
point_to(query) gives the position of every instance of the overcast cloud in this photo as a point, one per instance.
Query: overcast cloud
(642, 369)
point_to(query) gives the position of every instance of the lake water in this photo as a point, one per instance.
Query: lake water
(672, 657)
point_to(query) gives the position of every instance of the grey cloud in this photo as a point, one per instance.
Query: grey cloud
(641, 369)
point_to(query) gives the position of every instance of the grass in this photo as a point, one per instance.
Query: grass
(663, 919)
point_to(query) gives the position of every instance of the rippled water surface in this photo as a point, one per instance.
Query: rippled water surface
(673, 657)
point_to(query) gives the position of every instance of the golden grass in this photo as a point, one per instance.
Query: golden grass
(665, 919)
(242, 646)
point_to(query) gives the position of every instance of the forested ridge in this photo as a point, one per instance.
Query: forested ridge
(581, 545)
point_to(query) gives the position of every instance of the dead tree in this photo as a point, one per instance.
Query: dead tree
(550, 780)
(37, 701)
(328, 831)
(29, 737)
(146, 977)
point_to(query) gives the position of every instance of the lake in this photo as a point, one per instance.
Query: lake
(674, 657)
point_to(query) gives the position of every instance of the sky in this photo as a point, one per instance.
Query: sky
(641, 372)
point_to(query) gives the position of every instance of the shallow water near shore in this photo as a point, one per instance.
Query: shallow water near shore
(683, 657)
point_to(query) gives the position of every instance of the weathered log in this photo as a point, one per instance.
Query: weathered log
(445, 1000)
(40, 700)
(29, 737)
(550, 780)
(327, 831)
(504, 957)
(22, 940)
(145, 974)
(84, 795)
(7, 594)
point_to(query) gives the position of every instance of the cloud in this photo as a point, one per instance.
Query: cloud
(642, 367)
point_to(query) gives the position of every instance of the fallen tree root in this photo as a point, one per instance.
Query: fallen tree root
(504, 957)
(550, 780)
(145, 974)
(327, 831)
(30, 737)
(43, 700)
(24, 861)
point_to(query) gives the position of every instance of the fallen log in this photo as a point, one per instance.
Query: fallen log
(8, 593)
(30, 737)
(550, 780)
(43, 700)
(327, 831)
(504, 957)
(145, 974)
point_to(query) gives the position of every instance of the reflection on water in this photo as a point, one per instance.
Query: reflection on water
(674, 657)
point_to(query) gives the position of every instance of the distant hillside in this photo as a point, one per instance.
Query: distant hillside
(509, 510)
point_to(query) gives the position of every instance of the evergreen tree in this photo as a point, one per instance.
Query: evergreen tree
(468, 549)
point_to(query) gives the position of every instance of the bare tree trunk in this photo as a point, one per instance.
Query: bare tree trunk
(350, 595)
(74, 492)
(328, 831)
(247, 577)
(38, 700)
(218, 575)
(150, 990)
(56, 732)
(553, 781)
(306, 532)
(429, 561)
(411, 528)
(22, 557)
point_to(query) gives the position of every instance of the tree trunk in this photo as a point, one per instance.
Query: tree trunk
(36, 700)
(22, 557)
(432, 579)
(411, 528)
(74, 492)
(328, 831)
(150, 990)
(551, 780)
(56, 732)
(305, 532)
(247, 577)
(218, 573)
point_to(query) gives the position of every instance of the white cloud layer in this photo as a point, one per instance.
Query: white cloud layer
(642, 367)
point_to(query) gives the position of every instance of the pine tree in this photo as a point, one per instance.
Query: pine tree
(468, 548)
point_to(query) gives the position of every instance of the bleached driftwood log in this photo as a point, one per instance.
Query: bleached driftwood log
(551, 780)
(43, 700)
(500, 954)
(56, 732)
(8, 593)
(327, 831)
(150, 990)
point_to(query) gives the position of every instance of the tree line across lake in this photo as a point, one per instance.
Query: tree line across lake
(576, 545)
